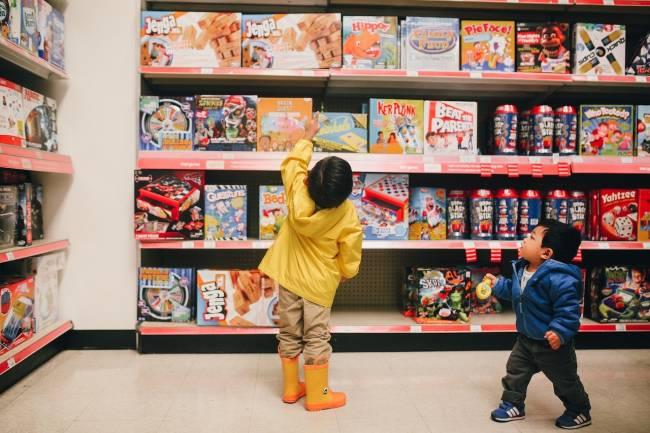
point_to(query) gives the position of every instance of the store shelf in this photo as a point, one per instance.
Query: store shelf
(612, 3)
(610, 165)
(460, 4)
(17, 355)
(20, 158)
(36, 249)
(29, 61)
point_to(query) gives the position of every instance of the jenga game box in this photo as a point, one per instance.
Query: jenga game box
(238, 298)
(641, 59)
(190, 39)
(643, 130)
(644, 215)
(281, 122)
(12, 129)
(427, 214)
(291, 41)
(370, 42)
(614, 214)
(543, 47)
(450, 127)
(443, 295)
(16, 311)
(607, 130)
(487, 46)
(342, 132)
(396, 126)
(599, 49)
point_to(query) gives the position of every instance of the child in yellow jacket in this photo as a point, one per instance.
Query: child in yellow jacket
(318, 247)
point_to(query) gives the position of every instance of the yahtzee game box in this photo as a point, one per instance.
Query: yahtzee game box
(381, 201)
(607, 130)
(226, 123)
(370, 42)
(396, 126)
(281, 122)
(273, 211)
(342, 132)
(599, 49)
(487, 45)
(166, 123)
(225, 212)
(450, 127)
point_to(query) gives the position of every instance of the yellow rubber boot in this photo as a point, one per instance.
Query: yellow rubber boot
(319, 396)
(294, 390)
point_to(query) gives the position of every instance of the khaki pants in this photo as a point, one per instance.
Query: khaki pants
(304, 328)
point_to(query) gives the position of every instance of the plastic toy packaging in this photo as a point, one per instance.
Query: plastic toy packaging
(620, 294)
(443, 295)
(483, 300)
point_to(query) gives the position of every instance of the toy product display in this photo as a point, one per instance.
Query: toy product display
(457, 215)
(291, 41)
(556, 206)
(607, 130)
(382, 202)
(443, 295)
(40, 114)
(430, 43)
(281, 122)
(225, 212)
(342, 132)
(190, 39)
(543, 47)
(506, 214)
(396, 126)
(29, 37)
(523, 132)
(165, 294)
(643, 233)
(43, 30)
(409, 295)
(614, 214)
(46, 289)
(530, 211)
(599, 49)
(566, 130)
(16, 311)
(487, 46)
(643, 130)
(481, 205)
(640, 64)
(450, 127)
(578, 205)
(504, 129)
(37, 212)
(57, 49)
(226, 123)
(542, 126)
(370, 42)
(10, 17)
(239, 298)
(483, 300)
(169, 204)
(620, 294)
(166, 123)
(23, 234)
(427, 214)
(12, 130)
(8, 215)
(273, 211)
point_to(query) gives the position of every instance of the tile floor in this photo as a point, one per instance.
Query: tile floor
(123, 392)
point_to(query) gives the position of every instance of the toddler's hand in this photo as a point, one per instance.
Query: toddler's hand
(311, 127)
(493, 280)
(553, 339)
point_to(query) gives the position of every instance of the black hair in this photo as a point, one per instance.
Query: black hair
(563, 239)
(330, 182)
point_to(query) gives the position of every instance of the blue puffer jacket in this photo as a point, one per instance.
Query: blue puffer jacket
(550, 301)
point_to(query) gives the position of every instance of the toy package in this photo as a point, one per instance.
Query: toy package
(443, 295)
(8, 215)
(607, 130)
(614, 214)
(396, 126)
(40, 114)
(23, 233)
(641, 59)
(488, 46)
(57, 49)
(165, 294)
(291, 41)
(273, 211)
(166, 123)
(409, 295)
(599, 49)
(225, 212)
(190, 39)
(483, 299)
(16, 311)
(169, 204)
(226, 123)
(370, 42)
(450, 127)
(643, 234)
(36, 204)
(342, 132)
(46, 287)
(643, 130)
(427, 214)
(281, 122)
(620, 294)
(12, 130)
(29, 37)
(543, 47)
(431, 43)
(381, 201)
(43, 29)
(239, 298)
(10, 20)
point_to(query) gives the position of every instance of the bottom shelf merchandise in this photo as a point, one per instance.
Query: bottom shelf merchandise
(619, 294)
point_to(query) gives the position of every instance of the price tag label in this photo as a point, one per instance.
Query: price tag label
(416, 329)
(578, 159)
(620, 327)
(486, 159)
(475, 74)
(468, 158)
(260, 245)
(603, 245)
(475, 328)
(646, 245)
(187, 245)
(591, 77)
(209, 244)
(534, 159)
(432, 168)
(10, 256)
(26, 163)
(215, 164)
(640, 79)
(627, 160)
(411, 73)
(11, 362)
(494, 245)
(608, 2)
(228, 155)
(469, 244)
(206, 71)
(308, 73)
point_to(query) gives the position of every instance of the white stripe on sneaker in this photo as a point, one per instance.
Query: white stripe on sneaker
(510, 412)
(582, 418)
(516, 410)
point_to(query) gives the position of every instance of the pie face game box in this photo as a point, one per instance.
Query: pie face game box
(396, 126)
(430, 43)
(281, 123)
(342, 132)
(450, 127)
(607, 130)
(291, 41)
(599, 49)
(543, 47)
(370, 42)
(226, 123)
(488, 46)
(382, 202)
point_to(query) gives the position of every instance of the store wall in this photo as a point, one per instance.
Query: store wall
(98, 118)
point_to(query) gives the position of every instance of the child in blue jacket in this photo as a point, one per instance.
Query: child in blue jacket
(545, 292)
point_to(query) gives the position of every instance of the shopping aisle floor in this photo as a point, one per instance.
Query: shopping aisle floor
(121, 391)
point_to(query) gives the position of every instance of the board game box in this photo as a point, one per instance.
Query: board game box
(165, 294)
(40, 120)
(166, 123)
(599, 49)
(643, 130)
(620, 294)
(23, 234)
(431, 43)
(46, 288)
(226, 123)
(16, 311)
(57, 49)
(381, 201)
(450, 127)
(169, 204)
(643, 233)
(614, 214)
(273, 211)
(640, 64)
(427, 214)
(543, 47)
(239, 298)
(36, 204)
(8, 215)
(291, 41)
(443, 295)
(607, 130)
(225, 212)
(43, 29)
(281, 122)
(396, 126)
(12, 130)
(29, 37)
(10, 21)
(190, 39)
(487, 45)
(342, 132)
(370, 42)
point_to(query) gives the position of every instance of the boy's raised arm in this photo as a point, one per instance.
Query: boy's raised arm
(349, 258)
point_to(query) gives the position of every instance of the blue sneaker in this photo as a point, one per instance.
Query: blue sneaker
(507, 412)
(572, 420)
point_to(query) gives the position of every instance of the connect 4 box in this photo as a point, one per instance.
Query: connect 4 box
(381, 201)
(599, 49)
(370, 42)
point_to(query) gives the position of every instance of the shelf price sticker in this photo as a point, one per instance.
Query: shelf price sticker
(260, 245)
(646, 245)
(26, 163)
(640, 79)
(476, 75)
(206, 71)
(11, 362)
(187, 245)
(10, 256)
(209, 244)
(433, 168)
(620, 327)
(218, 164)
(627, 160)
(475, 328)
(603, 245)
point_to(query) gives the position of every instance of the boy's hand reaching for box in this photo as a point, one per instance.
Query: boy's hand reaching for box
(311, 127)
